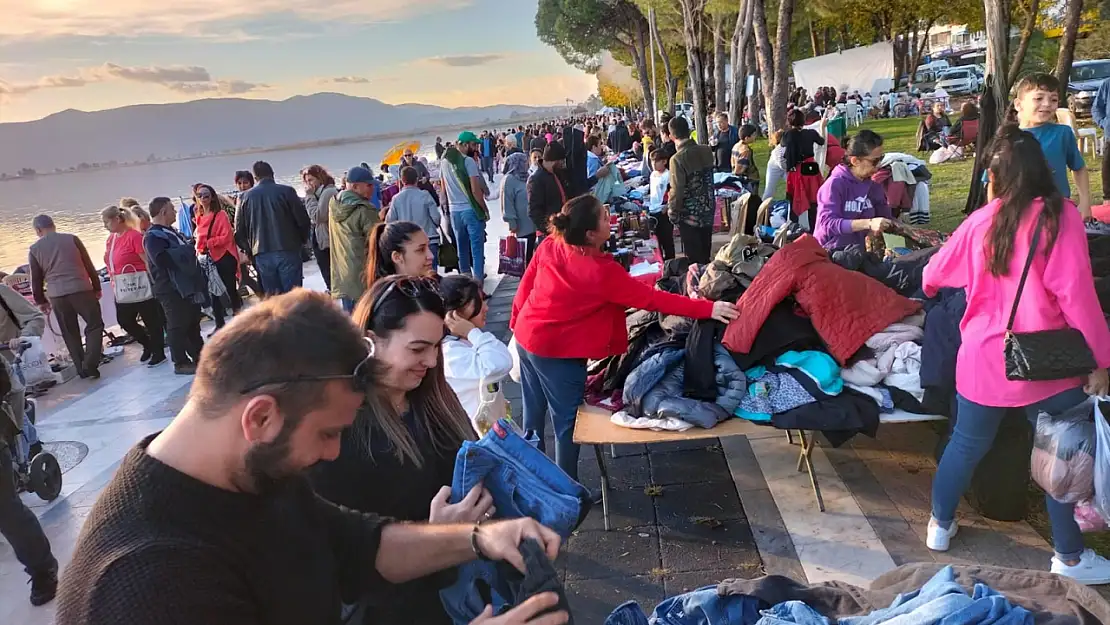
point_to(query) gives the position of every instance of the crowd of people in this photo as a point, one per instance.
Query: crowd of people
(252, 504)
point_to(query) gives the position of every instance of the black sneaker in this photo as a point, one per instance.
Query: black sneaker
(189, 369)
(157, 359)
(147, 354)
(92, 374)
(43, 587)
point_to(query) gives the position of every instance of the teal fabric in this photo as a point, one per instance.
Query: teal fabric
(610, 186)
(817, 365)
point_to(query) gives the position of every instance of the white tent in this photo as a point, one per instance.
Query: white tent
(867, 68)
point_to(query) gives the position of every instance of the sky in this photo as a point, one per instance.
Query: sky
(101, 54)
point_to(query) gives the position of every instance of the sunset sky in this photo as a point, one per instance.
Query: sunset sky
(98, 54)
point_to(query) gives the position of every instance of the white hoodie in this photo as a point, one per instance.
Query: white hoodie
(472, 363)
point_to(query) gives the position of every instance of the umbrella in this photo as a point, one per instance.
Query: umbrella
(393, 155)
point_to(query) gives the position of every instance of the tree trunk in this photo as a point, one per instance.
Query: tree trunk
(813, 39)
(755, 104)
(1023, 45)
(779, 94)
(919, 51)
(845, 37)
(1072, 17)
(720, 87)
(669, 78)
(765, 58)
(827, 47)
(639, 57)
(741, 36)
(996, 94)
(693, 11)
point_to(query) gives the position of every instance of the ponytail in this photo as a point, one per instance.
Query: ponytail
(384, 240)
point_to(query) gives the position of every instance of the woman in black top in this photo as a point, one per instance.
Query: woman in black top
(398, 458)
(798, 141)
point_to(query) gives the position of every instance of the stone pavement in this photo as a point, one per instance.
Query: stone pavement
(684, 516)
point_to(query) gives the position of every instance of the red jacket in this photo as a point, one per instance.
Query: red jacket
(846, 307)
(222, 241)
(571, 303)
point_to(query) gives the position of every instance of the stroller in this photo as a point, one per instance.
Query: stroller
(36, 471)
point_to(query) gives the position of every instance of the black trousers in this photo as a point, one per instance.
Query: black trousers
(151, 333)
(1106, 170)
(226, 268)
(664, 233)
(67, 310)
(697, 242)
(182, 328)
(19, 525)
(531, 238)
(323, 261)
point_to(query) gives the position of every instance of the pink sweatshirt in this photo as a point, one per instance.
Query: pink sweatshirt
(1059, 293)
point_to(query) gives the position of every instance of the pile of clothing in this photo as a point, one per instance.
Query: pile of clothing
(922, 594)
(905, 180)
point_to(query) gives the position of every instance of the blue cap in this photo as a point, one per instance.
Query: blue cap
(360, 174)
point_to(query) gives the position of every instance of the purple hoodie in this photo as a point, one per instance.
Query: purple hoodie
(842, 199)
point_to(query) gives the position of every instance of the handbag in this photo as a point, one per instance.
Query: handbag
(1047, 354)
(128, 288)
(513, 252)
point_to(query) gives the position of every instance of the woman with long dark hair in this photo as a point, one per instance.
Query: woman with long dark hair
(398, 458)
(803, 172)
(216, 238)
(319, 189)
(570, 307)
(849, 203)
(986, 256)
(398, 248)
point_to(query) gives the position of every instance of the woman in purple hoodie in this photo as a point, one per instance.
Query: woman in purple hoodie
(849, 204)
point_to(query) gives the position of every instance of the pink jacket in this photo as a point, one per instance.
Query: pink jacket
(1059, 293)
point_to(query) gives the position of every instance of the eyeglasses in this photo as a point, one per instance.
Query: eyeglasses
(410, 286)
(360, 377)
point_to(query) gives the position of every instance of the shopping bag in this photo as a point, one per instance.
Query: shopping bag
(513, 253)
(1088, 519)
(1063, 459)
(514, 373)
(1101, 500)
(448, 256)
(34, 363)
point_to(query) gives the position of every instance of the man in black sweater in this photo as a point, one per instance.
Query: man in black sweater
(210, 521)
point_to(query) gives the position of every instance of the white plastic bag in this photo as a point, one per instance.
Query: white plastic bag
(1063, 459)
(514, 373)
(35, 364)
(1101, 500)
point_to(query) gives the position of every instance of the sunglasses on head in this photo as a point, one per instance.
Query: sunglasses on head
(411, 287)
(360, 377)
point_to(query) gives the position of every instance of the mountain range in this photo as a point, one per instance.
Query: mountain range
(134, 133)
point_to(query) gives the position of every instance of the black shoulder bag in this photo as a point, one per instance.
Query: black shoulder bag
(1048, 354)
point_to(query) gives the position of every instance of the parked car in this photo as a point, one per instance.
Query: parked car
(960, 80)
(1085, 79)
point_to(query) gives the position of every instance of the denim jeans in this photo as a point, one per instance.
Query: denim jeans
(524, 483)
(703, 605)
(976, 427)
(19, 526)
(434, 247)
(556, 386)
(348, 304)
(280, 272)
(470, 239)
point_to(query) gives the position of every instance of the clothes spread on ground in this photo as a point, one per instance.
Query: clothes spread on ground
(161, 547)
(524, 483)
(846, 308)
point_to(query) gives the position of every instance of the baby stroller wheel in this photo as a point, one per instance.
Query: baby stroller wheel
(46, 476)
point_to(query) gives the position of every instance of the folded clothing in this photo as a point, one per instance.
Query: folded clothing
(657, 424)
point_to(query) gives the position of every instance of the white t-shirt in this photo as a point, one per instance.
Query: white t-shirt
(457, 198)
(658, 187)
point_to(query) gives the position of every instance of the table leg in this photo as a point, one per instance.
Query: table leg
(604, 484)
(805, 463)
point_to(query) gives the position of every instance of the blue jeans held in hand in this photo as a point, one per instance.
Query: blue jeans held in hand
(470, 239)
(524, 483)
(556, 386)
(280, 272)
(976, 427)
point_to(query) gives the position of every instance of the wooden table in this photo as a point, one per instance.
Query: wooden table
(593, 427)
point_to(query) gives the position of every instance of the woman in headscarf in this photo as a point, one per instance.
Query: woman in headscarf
(514, 200)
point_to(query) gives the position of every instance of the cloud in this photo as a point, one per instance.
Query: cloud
(195, 18)
(344, 80)
(462, 60)
(182, 79)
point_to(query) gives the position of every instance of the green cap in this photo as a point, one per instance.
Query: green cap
(467, 137)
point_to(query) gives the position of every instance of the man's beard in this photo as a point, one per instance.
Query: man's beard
(266, 468)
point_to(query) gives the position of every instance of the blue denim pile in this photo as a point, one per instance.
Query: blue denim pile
(524, 483)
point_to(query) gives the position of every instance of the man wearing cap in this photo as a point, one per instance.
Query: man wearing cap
(466, 202)
(352, 216)
(548, 187)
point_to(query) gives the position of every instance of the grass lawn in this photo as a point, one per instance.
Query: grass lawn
(951, 180)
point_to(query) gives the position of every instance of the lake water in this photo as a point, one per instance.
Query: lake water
(75, 200)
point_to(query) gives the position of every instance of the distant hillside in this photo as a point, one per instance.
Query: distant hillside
(134, 133)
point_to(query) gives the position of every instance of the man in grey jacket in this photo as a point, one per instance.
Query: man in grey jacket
(416, 205)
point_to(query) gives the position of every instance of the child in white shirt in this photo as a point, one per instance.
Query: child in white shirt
(474, 362)
(660, 179)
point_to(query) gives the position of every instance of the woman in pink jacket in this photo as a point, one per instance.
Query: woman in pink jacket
(986, 256)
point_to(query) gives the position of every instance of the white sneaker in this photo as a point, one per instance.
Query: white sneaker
(938, 538)
(1092, 569)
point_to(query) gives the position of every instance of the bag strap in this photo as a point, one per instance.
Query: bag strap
(1025, 272)
(112, 255)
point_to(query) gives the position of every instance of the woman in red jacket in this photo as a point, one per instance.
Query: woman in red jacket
(216, 238)
(570, 307)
